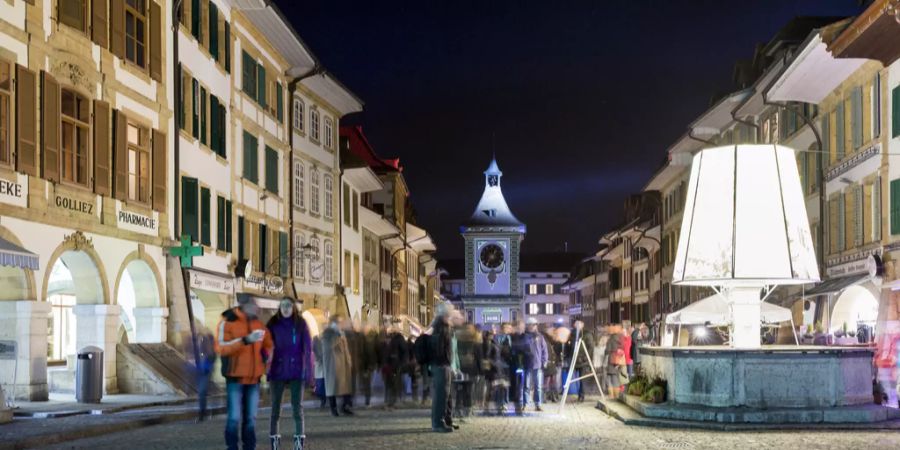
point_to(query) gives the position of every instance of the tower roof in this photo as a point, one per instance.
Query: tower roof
(492, 212)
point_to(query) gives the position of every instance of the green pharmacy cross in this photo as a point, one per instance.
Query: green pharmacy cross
(186, 252)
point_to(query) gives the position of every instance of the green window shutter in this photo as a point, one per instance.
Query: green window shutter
(251, 172)
(195, 119)
(189, 218)
(876, 209)
(182, 121)
(248, 74)
(203, 115)
(283, 254)
(856, 117)
(279, 102)
(241, 255)
(214, 130)
(840, 131)
(842, 239)
(261, 85)
(825, 132)
(876, 106)
(196, 14)
(895, 112)
(223, 125)
(271, 170)
(213, 31)
(220, 223)
(228, 234)
(895, 206)
(204, 216)
(859, 233)
(355, 211)
(263, 263)
(227, 45)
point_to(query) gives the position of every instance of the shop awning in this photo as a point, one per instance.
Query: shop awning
(836, 284)
(11, 255)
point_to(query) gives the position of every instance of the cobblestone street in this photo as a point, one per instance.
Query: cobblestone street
(582, 427)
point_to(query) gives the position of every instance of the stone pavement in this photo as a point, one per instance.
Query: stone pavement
(583, 426)
(62, 405)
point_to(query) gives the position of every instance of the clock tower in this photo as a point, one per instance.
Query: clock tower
(493, 238)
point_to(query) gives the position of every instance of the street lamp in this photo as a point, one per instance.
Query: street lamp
(745, 229)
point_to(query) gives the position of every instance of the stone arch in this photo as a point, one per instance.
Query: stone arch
(141, 300)
(146, 278)
(78, 254)
(855, 304)
(15, 283)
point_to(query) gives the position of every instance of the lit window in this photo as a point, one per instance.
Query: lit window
(532, 289)
(138, 164)
(298, 255)
(329, 255)
(548, 308)
(314, 124)
(135, 36)
(548, 289)
(75, 116)
(298, 114)
(533, 308)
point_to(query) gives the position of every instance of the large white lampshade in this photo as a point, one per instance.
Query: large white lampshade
(745, 227)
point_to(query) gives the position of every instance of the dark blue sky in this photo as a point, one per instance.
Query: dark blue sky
(582, 98)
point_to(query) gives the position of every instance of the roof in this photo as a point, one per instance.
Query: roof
(360, 147)
(872, 35)
(716, 118)
(492, 212)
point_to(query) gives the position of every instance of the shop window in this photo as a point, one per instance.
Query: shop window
(138, 163)
(135, 32)
(75, 115)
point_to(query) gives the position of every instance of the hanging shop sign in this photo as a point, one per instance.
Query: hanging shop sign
(138, 223)
(14, 192)
(211, 283)
(271, 284)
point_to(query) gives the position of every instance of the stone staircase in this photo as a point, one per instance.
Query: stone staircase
(156, 369)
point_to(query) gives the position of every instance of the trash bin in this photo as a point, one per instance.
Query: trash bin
(89, 375)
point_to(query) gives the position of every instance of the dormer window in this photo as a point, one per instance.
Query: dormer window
(490, 212)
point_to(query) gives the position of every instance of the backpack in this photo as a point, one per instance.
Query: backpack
(420, 350)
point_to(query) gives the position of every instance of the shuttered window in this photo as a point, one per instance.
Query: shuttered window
(196, 19)
(876, 210)
(355, 209)
(5, 113)
(895, 112)
(101, 148)
(227, 46)
(228, 222)
(241, 230)
(160, 175)
(50, 130)
(261, 85)
(271, 170)
(73, 13)
(74, 128)
(205, 237)
(120, 156)
(251, 158)
(220, 223)
(190, 208)
(26, 121)
(262, 246)
(248, 74)
(895, 206)
(117, 28)
(856, 117)
(346, 207)
(839, 131)
(156, 49)
(195, 108)
(279, 100)
(213, 31)
(214, 128)
(136, 32)
(138, 163)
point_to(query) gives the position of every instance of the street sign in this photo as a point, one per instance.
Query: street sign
(186, 252)
(8, 350)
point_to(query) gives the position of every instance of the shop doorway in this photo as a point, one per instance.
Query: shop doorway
(856, 306)
(74, 280)
(137, 289)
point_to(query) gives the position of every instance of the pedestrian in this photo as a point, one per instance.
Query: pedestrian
(440, 360)
(288, 369)
(201, 370)
(627, 343)
(534, 369)
(505, 357)
(411, 369)
(582, 361)
(319, 371)
(424, 374)
(552, 369)
(599, 358)
(368, 362)
(243, 345)
(337, 365)
(616, 367)
(354, 345)
(522, 357)
(468, 347)
(395, 360)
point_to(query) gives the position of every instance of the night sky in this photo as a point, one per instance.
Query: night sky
(580, 100)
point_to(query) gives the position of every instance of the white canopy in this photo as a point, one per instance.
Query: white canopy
(716, 311)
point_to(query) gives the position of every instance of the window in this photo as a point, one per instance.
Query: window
(298, 255)
(189, 208)
(329, 133)
(271, 170)
(223, 224)
(74, 129)
(895, 112)
(5, 96)
(251, 158)
(895, 206)
(314, 190)
(279, 102)
(205, 216)
(548, 289)
(248, 74)
(532, 308)
(196, 20)
(329, 261)
(138, 163)
(74, 13)
(203, 115)
(346, 206)
(355, 209)
(548, 308)
(347, 272)
(329, 196)
(356, 274)
(213, 21)
(135, 34)
(314, 124)
(532, 289)
(299, 190)
(298, 114)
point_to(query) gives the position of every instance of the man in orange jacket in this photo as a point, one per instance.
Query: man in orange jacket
(244, 346)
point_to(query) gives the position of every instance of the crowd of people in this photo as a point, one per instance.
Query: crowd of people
(463, 368)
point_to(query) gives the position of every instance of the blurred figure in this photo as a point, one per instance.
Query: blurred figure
(337, 365)
(533, 391)
(290, 335)
(600, 359)
(616, 367)
(354, 344)
(200, 370)
(242, 343)
(440, 361)
(582, 362)
(522, 357)
(468, 347)
(319, 371)
(368, 362)
(626, 347)
(395, 359)
(412, 369)
(505, 358)
(552, 369)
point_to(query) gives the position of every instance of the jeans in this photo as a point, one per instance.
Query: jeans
(534, 387)
(576, 386)
(243, 400)
(365, 384)
(202, 390)
(320, 391)
(516, 387)
(441, 406)
(296, 387)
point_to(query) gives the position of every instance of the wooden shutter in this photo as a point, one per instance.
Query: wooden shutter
(50, 124)
(895, 112)
(101, 147)
(223, 126)
(156, 48)
(283, 254)
(213, 25)
(228, 226)
(867, 215)
(182, 104)
(117, 28)
(26, 121)
(205, 237)
(195, 109)
(227, 45)
(220, 223)
(203, 114)
(241, 239)
(261, 85)
(214, 129)
(120, 156)
(99, 23)
(279, 101)
(895, 206)
(160, 159)
(876, 210)
(189, 208)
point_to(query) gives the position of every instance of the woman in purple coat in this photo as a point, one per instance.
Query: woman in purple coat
(288, 367)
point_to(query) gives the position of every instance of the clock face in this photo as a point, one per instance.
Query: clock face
(491, 256)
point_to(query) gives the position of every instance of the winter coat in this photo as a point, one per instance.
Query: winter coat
(553, 363)
(539, 351)
(336, 362)
(292, 349)
(583, 362)
(317, 354)
(242, 361)
(613, 348)
(395, 353)
(468, 350)
(368, 358)
(522, 351)
(355, 343)
(626, 347)
(440, 345)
